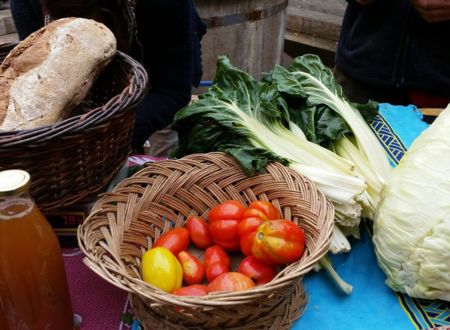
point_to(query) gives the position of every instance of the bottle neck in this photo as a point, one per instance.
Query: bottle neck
(16, 206)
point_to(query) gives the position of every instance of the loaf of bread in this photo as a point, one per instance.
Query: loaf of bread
(51, 71)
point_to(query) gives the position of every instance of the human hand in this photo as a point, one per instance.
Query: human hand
(433, 10)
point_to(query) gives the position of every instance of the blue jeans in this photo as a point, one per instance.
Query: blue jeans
(27, 16)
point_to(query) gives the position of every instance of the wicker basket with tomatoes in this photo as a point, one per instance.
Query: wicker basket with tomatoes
(198, 244)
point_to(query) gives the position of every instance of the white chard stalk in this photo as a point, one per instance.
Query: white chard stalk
(335, 176)
(365, 151)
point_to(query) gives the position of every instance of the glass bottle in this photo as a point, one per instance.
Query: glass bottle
(33, 287)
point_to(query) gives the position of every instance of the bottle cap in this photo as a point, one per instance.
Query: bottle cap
(13, 182)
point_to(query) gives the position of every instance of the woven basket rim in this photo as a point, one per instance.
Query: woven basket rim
(79, 123)
(123, 280)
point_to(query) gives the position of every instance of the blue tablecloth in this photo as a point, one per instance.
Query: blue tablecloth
(372, 305)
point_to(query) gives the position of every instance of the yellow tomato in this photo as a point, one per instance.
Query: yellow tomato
(161, 268)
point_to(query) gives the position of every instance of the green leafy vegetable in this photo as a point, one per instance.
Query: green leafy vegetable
(250, 120)
(309, 80)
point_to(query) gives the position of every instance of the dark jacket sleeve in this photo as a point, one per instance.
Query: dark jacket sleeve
(168, 39)
(389, 45)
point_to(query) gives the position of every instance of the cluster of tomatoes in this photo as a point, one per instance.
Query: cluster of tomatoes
(266, 240)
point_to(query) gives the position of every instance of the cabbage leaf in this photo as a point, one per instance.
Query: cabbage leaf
(412, 226)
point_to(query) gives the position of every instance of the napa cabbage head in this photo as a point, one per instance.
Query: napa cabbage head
(412, 225)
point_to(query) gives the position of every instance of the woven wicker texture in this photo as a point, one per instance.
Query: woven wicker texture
(278, 312)
(123, 224)
(77, 157)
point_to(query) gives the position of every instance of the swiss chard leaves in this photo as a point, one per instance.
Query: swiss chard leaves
(224, 119)
(219, 121)
(312, 93)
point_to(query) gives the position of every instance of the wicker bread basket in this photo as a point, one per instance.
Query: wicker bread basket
(77, 157)
(123, 224)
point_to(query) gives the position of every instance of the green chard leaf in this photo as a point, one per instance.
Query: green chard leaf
(320, 124)
(309, 105)
(334, 117)
(227, 117)
(251, 159)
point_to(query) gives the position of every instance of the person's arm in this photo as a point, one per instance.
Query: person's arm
(433, 10)
(165, 32)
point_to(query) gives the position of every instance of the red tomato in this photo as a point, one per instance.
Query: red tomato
(229, 210)
(215, 269)
(231, 281)
(224, 219)
(248, 225)
(225, 234)
(261, 209)
(258, 271)
(246, 241)
(254, 215)
(216, 254)
(195, 290)
(217, 262)
(193, 271)
(275, 242)
(199, 232)
(176, 240)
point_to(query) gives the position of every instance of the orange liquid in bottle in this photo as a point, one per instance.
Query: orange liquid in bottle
(33, 288)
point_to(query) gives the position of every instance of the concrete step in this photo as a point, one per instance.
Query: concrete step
(313, 23)
(312, 41)
(296, 45)
(6, 22)
(9, 38)
(331, 7)
(313, 26)
(8, 33)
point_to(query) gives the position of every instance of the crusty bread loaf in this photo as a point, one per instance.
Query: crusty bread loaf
(51, 71)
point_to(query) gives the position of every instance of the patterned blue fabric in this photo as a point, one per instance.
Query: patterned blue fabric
(397, 127)
(372, 305)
